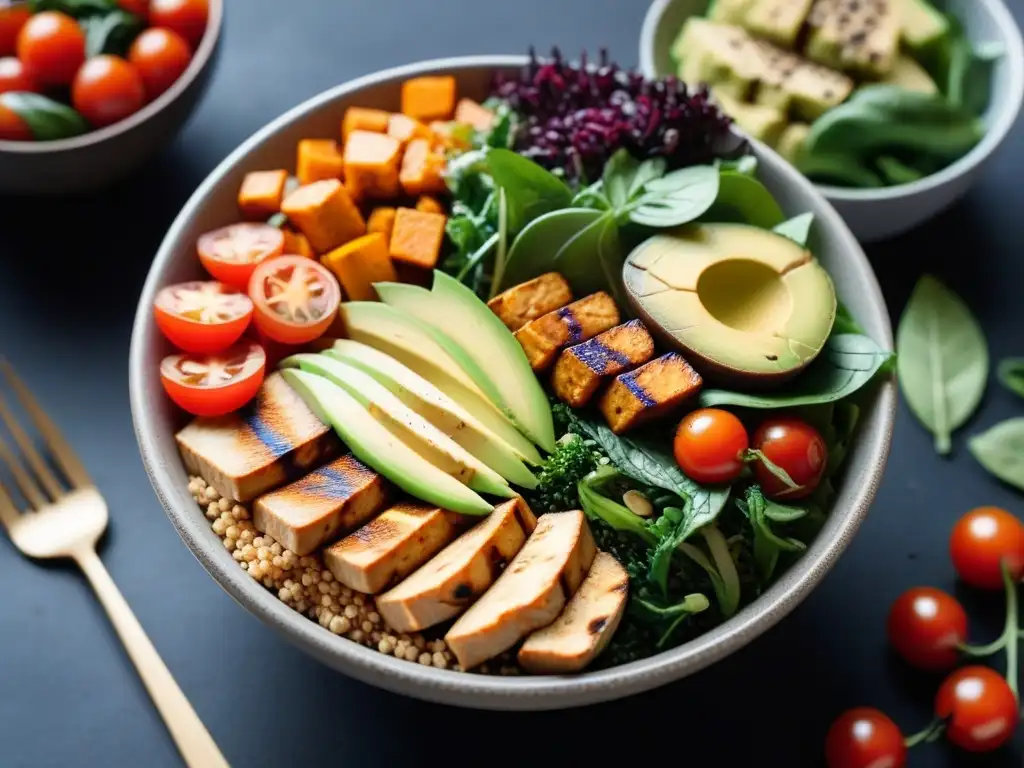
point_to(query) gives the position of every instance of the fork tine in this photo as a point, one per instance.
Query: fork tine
(28, 450)
(8, 512)
(62, 452)
(25, 482)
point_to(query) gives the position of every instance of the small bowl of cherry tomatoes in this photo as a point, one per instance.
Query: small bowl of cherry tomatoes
(90, 89)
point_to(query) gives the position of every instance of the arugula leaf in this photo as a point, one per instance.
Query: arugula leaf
(676, 198)
(531, 190)
(797, 229)
(48, 120)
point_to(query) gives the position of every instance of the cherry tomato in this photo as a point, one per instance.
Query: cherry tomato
(709, 446)
(160, 56)
(12, 127)
(186, 17)
(107, 89)
(979, 708)
(983, 539)
(925, 625)
(232, 253)
(212, 385)
(138, 7)
(52, 46)
(796, 447)
(296, 299)
(864, 738)
(14, 76)
(202, 317)
(12, 19)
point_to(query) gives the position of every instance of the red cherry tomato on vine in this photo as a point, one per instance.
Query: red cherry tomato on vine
(15, 77)
(794, 446)
(212, 385)
(978, 707)
(983, 539)
(709, 446)
(107, 89)
(296, 299)
(925, 625)
(202, 316)
(186, 17)
(865, 738)
(51, 45)
(232, 253)
(160, 56)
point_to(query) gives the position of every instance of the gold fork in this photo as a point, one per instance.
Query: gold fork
(66, 519)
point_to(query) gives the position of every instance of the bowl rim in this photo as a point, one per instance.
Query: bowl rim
(200, 59)
(1005, 112)
(459, 688)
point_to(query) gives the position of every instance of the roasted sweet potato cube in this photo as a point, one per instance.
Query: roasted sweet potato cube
(382, 219)
(581, 369)
(416, 238)
(429, 204)
(649, 392)
(405, 129)
(318, 159)
(421, 169)
(527, 301)
(297, 244)
(360, 263)
(371, 165)
(364, 119)
(469, 112)
(429, 98)
(542, 338)
(325, 213)
(261, 193)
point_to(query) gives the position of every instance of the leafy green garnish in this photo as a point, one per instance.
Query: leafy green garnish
(560, 474)
(76, 8)
(797, 229)
(767, 543)
(744, 199)
(530, 190)
(533, 252)
(112, 32)
(1011, 374)
(48, 120)
(676, 198)
(1000, 450)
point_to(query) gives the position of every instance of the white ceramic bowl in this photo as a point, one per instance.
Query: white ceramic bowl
(214, 205)
(875, 214)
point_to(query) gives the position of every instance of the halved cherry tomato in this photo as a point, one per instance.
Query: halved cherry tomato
(979, 708)
(709, 446)
(106, 90)
(296, 299)
(12, 19)
(983, 539)
(212, 385)
(14, 76)
(186, 17)
(52, 46)
(12, 126)
(232, 253)
(865, 738)
(202, 316)
(796, 447)
(925, 625)
(160, 56)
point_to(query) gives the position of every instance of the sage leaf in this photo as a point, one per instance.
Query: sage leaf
(677, 198)
(943, 360)
(48, 120)
(797, 229)
(531, 190)
(533, 251)
(1011, 374)
(1000, 450)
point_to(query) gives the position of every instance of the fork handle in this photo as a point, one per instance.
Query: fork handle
(193, 740)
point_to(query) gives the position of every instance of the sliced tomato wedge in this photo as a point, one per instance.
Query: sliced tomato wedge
(212, 385)
(296, 299)
(202, 316)
(231, 253)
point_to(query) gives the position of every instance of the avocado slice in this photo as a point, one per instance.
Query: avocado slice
(910, 75)
(380, 449)
(747, 307)
(436, 407)
(476, 338)
(403, 338)
(922, 25)
(415, 431)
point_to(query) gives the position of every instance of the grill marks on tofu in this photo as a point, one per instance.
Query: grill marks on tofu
(391, 546)
(449, 583)
(259, 448)
(586, 625)
(531, 591)
(329, 501)
(581, 369)
(527, 301)
(544, 337)
(649, 392)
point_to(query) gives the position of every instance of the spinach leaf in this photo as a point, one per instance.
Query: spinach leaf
(747, 164)
(797, 229)
(111, 33)
(744, 199)
(650, 169)
(533, 252)
(501, 252)
(676, 198)
(1000, 450)
(531, 190)
(969, 80)
(847, 363)
(1011, 374)
(896, 172)
(48, 120)
(845, 322)
(76, 8)
(592, 260)
(617, 179)
(943, 362)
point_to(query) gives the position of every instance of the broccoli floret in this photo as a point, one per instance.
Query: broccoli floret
(572, 460)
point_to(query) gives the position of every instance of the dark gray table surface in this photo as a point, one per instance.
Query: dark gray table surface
(72, 271)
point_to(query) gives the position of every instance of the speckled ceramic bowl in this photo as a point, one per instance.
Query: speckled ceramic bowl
(213, 205)
(875, 214)
(100, 158)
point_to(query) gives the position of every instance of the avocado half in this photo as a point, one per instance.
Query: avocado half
(747, 307)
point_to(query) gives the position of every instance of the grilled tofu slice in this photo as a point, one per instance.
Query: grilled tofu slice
(327, 502)
(391, 546)
(527, 301)
(542, 338)
(530, 593)
(586, 625)
(273, 440)
(450, 582)
(581, 369)
(649, 392)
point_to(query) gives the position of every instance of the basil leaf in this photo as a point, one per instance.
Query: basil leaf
(76, 8)
(617, 178)
(797, 229)
(531, 190)
(677, 198)
(847, 363)
(943, 362)
(48, 120)
(110, 33)
(533, 252)
(746, 200)
(1000, 450)
(1011, 374)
